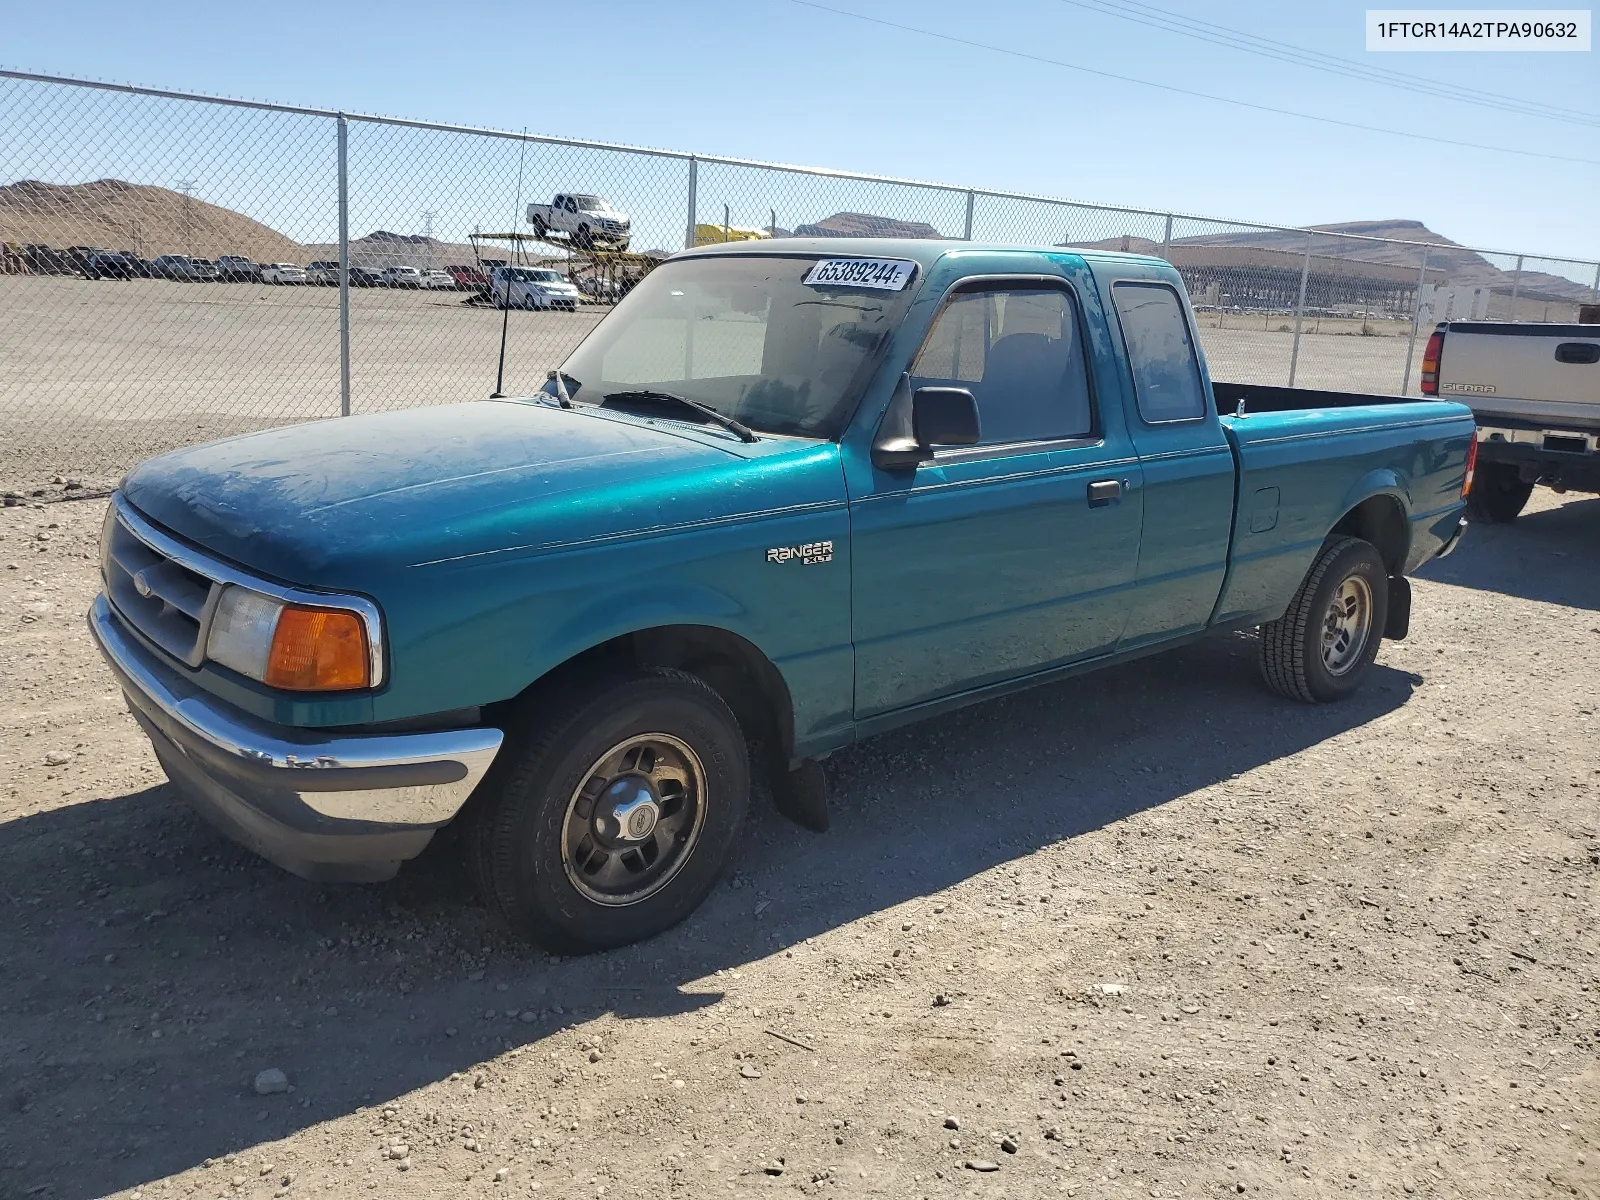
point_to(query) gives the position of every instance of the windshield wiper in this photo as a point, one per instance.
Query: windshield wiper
(705, 410)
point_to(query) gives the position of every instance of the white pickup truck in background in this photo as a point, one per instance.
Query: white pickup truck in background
(1535, 391)
(589, 222)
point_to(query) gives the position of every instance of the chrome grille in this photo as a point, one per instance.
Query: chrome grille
(155, 595)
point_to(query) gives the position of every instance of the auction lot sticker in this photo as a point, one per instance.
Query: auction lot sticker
(886, 274)
(1478, 29)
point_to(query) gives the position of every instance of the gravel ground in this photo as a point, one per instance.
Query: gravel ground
(101, 374)
(1152, 932)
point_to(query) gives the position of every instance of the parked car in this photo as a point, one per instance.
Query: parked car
(792, 493)
(206, 269)
(532, 287)
(438, 280)
(603, 291)
(77, 258)
(179, 266)
(326, 272)
(116, 264)
(236, 268)
(282, 273)
(44, 260)
(1535, 389)
(468, 278)
(587, 221)
(400, 277)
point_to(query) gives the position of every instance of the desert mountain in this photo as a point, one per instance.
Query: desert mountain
(851, 224)
(115, 215)
(1462, 267)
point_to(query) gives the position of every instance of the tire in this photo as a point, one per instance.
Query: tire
(1311, 654)
(1498, 494)
(659, 743)
(539, 227)
(583, 239)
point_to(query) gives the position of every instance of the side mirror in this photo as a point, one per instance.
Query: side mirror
(944, 416)
(919, 421)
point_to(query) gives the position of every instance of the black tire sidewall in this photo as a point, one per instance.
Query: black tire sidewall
(1498, 493)
(1356, 557)
(524, 853)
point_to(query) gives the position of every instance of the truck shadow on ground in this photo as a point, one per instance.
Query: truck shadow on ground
(1548, 554)
(152, 969)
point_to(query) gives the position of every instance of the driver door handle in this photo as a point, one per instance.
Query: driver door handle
(1104, 491)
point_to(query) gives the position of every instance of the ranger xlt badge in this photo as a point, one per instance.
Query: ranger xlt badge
(811, 552)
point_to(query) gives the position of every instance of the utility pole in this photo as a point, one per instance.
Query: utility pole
(187, 187)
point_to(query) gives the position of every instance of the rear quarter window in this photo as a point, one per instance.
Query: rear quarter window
(1166, 372)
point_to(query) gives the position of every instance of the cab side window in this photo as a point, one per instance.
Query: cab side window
(1166, 373)
(1018, 351)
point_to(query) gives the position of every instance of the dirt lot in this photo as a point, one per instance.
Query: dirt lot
(100, 374)
(1149, 933)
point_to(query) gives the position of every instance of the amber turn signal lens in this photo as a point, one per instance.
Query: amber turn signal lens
(318, 650)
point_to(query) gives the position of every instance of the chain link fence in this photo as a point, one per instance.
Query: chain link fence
(176, 268)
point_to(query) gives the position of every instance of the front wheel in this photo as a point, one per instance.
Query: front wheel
(1498, 493)
(1323, 647)
(617, 815)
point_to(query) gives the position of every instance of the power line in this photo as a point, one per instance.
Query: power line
(1167, 87)
(1223, 35)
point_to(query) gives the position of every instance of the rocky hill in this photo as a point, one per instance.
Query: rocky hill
(853, 224)
(116, 215)
(1463, 267)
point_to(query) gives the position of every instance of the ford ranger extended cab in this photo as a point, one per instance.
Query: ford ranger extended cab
(1535, 390)
(787, 495)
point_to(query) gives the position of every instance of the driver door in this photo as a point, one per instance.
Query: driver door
(995, 561)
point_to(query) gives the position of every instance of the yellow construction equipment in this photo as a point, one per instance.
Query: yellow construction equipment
(713, 235)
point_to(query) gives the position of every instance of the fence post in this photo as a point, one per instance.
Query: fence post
(344, 266)
(971, 199)
(694, 187)
(1300, 312)
(1597, 281)
(1516, 286)
(1166, 240)
(1416, 314)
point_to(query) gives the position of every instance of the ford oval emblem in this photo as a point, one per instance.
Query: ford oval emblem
(142, 585)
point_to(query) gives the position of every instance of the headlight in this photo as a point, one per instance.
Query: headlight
(290, 646)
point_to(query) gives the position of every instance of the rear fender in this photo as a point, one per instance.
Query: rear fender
(1387, 525)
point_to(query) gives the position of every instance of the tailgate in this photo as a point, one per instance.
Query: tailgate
(1548, 373)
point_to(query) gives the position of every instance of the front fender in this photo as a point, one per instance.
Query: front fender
(634, 611)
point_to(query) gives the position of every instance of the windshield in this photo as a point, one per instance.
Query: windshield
(745, 336)
(530, 275)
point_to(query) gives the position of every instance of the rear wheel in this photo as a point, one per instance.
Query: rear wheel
(617, 816)
(1323, 647)
(539, 227)
(1498, 493)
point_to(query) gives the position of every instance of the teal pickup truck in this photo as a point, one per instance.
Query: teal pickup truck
(787, 495)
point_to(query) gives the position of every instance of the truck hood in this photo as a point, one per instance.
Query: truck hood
(342, 503)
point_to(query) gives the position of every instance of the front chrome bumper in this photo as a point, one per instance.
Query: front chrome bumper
(323, 805)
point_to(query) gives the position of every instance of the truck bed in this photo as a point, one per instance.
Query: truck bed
(1305, 455)
(1542, 377)
(1262, 398)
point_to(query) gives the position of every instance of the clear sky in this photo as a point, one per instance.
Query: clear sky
(784, 81)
